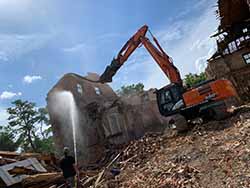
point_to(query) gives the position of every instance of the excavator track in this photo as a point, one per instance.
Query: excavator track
(179, 123)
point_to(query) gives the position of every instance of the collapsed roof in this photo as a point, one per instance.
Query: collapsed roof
(234, 29)
(232, 12)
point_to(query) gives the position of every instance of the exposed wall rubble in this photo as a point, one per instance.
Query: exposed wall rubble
(104, 118)
(232, 11)
(231, 60)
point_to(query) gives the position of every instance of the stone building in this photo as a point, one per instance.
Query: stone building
(232, 59)
(102, 119)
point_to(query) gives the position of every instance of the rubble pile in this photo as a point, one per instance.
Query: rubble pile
(140, 150)
(29, 170)
(215, 154)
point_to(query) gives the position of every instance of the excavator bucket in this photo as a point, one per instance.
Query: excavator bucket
(110, 71)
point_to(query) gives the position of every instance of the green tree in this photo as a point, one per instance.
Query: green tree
(22, 118)
(130, 89)
(192, 79)
(43, 120)
(7, 142)
(45, 142)
(30, 126)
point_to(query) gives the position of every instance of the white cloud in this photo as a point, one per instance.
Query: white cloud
(79, 47)
(8, 8)
(175, 32)
(6, 3)
(22, 33)
(199, 4)
(3, 56)
(108, 36)
(19, 12)
(75, 48)
(9, 95)
(13, 46)
(3, 116)
(201, 62)
(29, 79)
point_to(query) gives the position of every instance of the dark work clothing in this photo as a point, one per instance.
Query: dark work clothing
(67, 166)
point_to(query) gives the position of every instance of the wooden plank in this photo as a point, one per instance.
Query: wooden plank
(11, 179)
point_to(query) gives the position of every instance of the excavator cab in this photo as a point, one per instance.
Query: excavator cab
(169, 99)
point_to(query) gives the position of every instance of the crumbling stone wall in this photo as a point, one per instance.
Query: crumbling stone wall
(103, 118)
(86, 96)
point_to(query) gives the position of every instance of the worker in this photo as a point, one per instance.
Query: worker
(69, 168)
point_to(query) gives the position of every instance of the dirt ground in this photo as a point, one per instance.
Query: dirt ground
(212, 155)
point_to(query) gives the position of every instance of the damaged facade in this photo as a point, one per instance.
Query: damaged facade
(232, 59)
(104, 119)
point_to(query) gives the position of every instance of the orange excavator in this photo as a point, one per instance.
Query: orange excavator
(208, 99)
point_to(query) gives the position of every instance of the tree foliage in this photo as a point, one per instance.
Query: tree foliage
(21, 119)
(45, 144)
(30, 125)
(130, 89)
(192, 79)
(7, 142)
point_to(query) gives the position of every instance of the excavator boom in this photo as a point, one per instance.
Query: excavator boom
(161, 58)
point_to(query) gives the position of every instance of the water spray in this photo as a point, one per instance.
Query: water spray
(66, 107)
(73, 116)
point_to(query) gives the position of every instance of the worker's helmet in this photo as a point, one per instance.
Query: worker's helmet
(66, 150)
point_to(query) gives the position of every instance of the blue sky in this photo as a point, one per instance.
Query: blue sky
(41, 40)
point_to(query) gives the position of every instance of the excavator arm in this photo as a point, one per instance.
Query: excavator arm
(162, 59)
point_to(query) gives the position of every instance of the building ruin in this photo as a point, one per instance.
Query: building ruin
(104, 119)
(232, 58)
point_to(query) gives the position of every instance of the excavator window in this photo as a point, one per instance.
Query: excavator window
(167, 97)
(166, 100)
